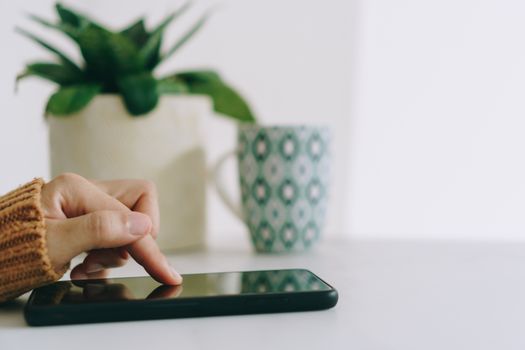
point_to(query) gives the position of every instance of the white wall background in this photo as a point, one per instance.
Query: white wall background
(439, 120)
(425, 98)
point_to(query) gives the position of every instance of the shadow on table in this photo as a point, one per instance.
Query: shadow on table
(12, 305)
(12, 314)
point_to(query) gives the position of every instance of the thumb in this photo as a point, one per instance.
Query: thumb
(100, 229)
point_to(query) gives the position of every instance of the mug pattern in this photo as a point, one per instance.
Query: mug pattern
(284, 175)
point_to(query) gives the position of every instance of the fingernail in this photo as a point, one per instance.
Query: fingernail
(92, 268)
(175, 274)
(138, 224)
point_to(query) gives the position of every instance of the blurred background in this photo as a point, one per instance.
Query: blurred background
(425, 99)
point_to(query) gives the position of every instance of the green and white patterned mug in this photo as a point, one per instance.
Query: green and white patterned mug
(284, 178)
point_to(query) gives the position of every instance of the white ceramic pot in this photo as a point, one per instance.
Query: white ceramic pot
(166, 146)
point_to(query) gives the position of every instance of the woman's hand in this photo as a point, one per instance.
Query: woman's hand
(108, 219)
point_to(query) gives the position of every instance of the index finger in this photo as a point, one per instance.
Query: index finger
(147, 253)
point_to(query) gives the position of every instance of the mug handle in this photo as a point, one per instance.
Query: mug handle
(218, 184)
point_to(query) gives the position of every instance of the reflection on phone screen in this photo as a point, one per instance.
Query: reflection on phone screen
(196, 285)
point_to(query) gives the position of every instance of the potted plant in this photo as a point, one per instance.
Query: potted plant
(112, 117)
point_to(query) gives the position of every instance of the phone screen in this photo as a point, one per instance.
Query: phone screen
(194, 285)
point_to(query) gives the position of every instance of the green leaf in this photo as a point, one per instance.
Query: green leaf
(108, 55)
(199, 76)
(162, 26)
(73, 23)
(139, 92)
(70, 17)
(66, 60)
(150, 52)
(42, 21)
(226, 100)
(71, 99)
(65, 28)
(187, 36)
(58, 73)
(171, 86)
(137, 33)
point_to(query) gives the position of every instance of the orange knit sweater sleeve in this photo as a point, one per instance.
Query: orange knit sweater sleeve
(24, 263)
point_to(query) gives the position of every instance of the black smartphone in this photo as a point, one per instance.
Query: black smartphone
(207, 294)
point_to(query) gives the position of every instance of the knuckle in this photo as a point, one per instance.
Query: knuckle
(97, 225)
(68, 178)
(102, 224)
(149, 186)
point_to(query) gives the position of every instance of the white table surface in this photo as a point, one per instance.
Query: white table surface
(393, 295)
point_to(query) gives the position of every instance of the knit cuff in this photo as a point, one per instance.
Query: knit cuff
(24, 263)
